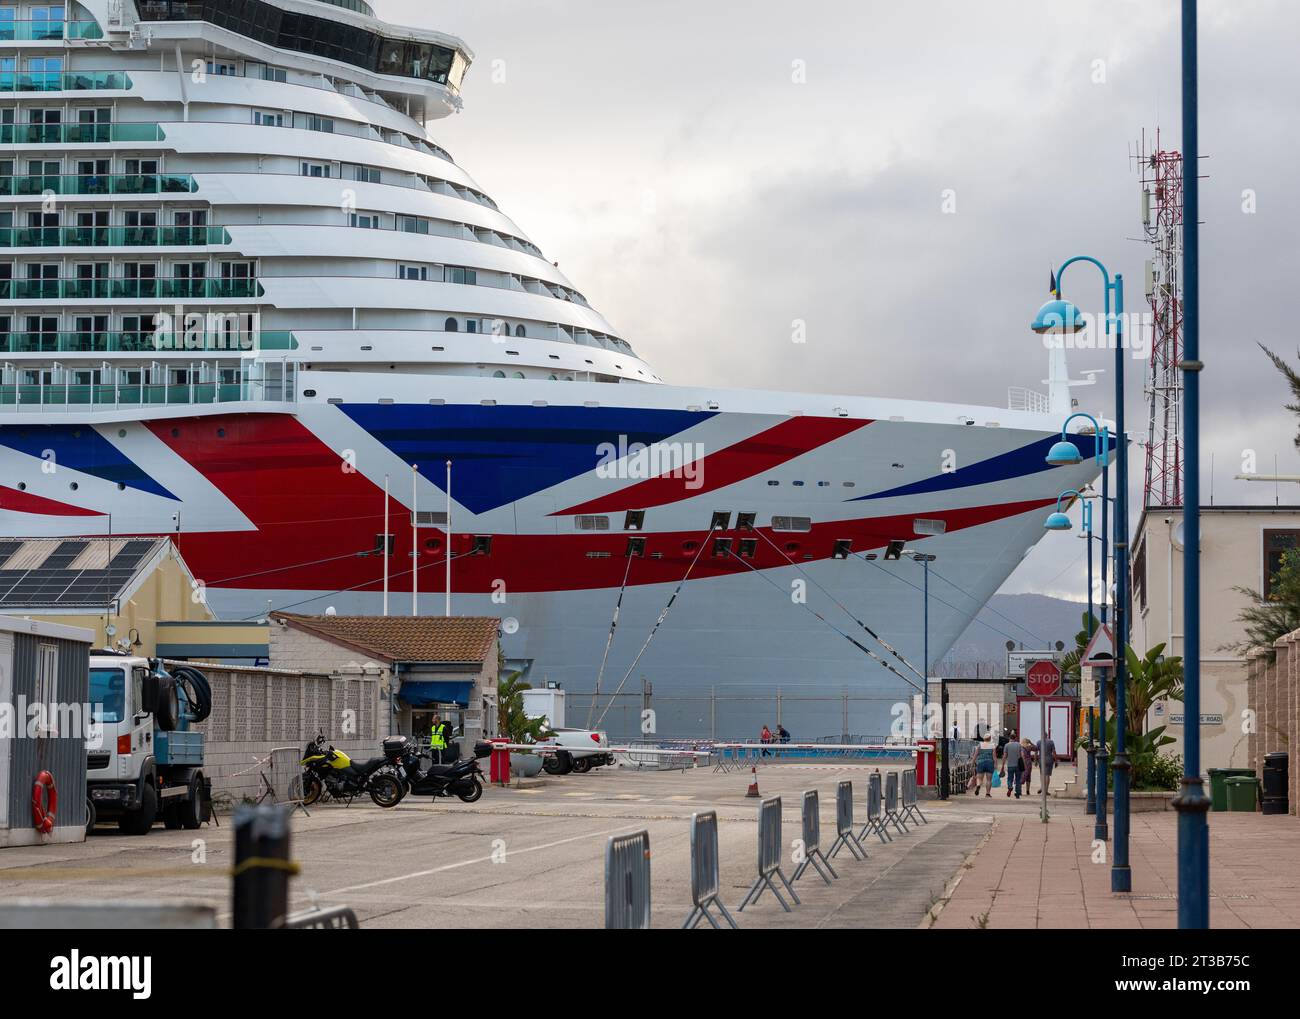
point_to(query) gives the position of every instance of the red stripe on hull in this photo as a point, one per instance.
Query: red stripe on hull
(26, 502)
(744, 459)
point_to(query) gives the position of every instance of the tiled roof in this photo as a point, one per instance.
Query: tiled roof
(404, 638)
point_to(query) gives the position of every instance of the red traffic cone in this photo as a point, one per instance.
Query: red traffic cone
(753, 786)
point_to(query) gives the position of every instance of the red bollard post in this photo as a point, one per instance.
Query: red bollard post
(499, 764)
(926, 773)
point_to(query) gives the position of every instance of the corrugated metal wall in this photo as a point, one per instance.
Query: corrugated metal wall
(65, 756)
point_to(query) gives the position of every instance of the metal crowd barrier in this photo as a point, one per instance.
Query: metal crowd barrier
(875, 812)
(891, 802)
(282, 780)
(335, 918)
(812, 837)
(911, 810)
(844, 823)
(706, 884)
(627, 882)
(769, 855)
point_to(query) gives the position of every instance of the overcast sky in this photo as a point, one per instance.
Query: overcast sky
(702, 196)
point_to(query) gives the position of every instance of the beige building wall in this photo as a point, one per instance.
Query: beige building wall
(1232, 556)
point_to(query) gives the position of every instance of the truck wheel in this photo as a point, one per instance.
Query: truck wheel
(558, 763)
(140, 822)
(582, 765)
(189, 811)
(385, 790)
(90, 815)
(171, 814)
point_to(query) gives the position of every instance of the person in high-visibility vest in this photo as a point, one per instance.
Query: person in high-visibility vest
(442, 741)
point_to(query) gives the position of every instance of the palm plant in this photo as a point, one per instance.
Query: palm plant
(510, 712)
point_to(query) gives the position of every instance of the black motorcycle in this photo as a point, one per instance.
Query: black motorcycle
(330, 773)
(462, 779)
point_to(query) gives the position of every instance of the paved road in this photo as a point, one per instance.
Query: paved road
(528, 856)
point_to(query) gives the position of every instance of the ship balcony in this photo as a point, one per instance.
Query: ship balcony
(78, 134)
(161, 289)
(112, 236)
(66, 81)
(49, 30)
(38, 185)
(253, 382)
(143, 342)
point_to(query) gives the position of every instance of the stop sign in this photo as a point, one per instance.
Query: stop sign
(1043, 678)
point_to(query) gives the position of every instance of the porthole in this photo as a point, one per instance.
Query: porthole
(309, 392)
(221, 433)
(121, 486)
(73, 485)
(22, 486)
(176, 433)
(498, 375)
(690, 546)
(121, 433)
(792, 546)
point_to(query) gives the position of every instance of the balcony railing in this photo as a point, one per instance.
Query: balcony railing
(111, 236)
(39, 31)
(78, 134)
(161, 289)
(99, 184)
(55, 397)
(66, 81)
(142, 342)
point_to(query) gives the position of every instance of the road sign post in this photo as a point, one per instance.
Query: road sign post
(1043, 678)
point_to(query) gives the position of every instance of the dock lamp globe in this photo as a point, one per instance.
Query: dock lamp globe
(1060, 520)
(1064, 453)
(1059, 318)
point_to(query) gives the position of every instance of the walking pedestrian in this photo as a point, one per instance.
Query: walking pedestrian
(1046, 761)
(982, 759)
(1027, 752)
(765, 737)
(1013, 765)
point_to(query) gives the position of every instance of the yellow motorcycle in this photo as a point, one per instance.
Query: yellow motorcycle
(330, 774)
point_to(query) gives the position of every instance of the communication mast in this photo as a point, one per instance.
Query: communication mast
(1162, 224)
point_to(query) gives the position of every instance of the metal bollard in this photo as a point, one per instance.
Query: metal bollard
(891, 802)
(705, 880)
(769, 856)
(812, 837)
(260, 899)
(627, 882)
(844, 823)
(875, 811)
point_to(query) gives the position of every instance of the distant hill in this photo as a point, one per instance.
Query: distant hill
(1035, 616)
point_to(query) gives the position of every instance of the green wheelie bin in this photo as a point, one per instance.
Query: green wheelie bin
(1242, 792)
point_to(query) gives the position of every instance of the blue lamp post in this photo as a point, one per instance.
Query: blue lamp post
(1191, 803)
(1059, 521)
(1060, 316)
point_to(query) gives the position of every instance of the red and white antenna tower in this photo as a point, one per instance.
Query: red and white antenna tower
(1162, 223)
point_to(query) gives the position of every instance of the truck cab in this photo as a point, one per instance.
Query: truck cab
(144, 761)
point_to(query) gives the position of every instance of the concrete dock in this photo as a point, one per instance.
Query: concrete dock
(532, 855)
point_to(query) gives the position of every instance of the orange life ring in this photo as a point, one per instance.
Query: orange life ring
(45, 801)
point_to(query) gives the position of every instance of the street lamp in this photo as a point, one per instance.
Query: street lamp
(1191, 803)
(1058, 316)
(1059, 521)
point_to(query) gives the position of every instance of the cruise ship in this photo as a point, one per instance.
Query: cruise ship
(247, 300)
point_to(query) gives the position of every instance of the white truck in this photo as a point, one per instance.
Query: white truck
(584, 749)
(144, 760)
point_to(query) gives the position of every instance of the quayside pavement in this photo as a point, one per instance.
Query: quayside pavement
(1030, 874)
